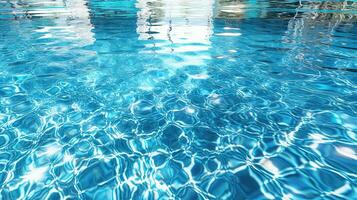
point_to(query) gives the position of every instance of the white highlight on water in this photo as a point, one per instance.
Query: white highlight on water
(346, 152)
(269, 166)
(35, 174)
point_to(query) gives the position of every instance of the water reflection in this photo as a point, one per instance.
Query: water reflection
(68, 20)
(176, 21)
(307, 31)
(180, 27)
(79, 20)
(233, 9)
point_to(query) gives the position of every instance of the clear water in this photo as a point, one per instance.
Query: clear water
(163, 99)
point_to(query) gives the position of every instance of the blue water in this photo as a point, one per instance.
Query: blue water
(164, 99)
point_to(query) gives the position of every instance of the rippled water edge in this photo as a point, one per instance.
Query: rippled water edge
(124, 101)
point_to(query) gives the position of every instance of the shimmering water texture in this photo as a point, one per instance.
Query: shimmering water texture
(178, 99)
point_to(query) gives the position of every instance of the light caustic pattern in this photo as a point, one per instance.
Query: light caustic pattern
(161, 99)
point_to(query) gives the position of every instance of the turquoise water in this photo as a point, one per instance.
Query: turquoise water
(163, 99)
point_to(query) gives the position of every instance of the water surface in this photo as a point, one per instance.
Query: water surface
(163, 99)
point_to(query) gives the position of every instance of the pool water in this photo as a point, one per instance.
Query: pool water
(164, 99)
